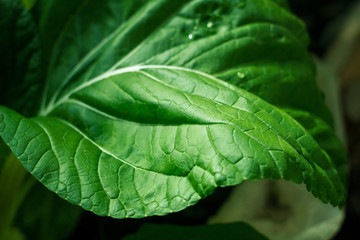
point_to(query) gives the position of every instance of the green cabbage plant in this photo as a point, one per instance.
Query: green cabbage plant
(137, 108)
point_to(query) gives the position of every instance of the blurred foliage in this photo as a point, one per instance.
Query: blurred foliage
(319, 16)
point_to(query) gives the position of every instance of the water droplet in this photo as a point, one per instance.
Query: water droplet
(210, 24)
(190, 36)
(241, 75)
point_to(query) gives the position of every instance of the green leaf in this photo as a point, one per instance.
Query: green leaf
(233, 231)
(283, 3)
(325, 137)
(119, 26)
(231, 34)
(151, 140)
(123, 132)
(289, 84)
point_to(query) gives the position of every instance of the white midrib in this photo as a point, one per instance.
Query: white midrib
(53, 105)
(122, 29)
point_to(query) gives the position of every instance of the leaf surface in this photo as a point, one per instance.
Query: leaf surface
(233, 34)
(153, 139)
(131, 124)
(325, 137)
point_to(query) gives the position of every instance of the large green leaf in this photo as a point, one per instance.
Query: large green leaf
(123, 132)
(325, 137)
(151, 140)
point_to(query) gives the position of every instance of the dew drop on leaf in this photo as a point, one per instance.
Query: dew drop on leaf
(210, 24)
(241, 75)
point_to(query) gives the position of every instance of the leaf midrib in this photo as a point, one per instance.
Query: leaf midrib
(121, 29)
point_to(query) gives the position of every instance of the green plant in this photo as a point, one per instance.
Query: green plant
(139, 108)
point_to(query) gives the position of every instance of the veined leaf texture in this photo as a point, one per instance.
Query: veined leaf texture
(147, 106)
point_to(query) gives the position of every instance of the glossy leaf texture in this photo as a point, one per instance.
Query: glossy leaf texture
(222, 38)
(132, 125)
(326, 138)
(234, 231)
(152, 140)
